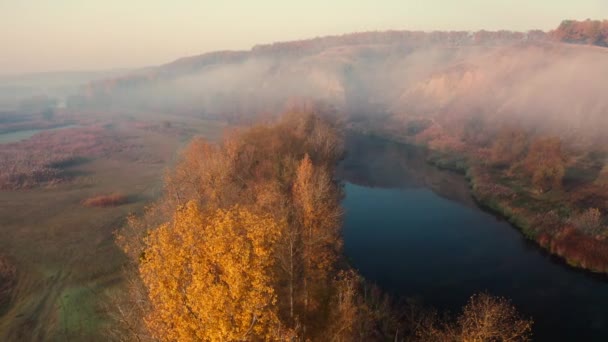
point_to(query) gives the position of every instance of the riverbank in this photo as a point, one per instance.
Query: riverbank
(545, 218)
(416, 232)
(552, 219)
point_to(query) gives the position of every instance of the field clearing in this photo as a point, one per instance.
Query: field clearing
(66, 259)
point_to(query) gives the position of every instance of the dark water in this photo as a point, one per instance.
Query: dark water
(415, 231)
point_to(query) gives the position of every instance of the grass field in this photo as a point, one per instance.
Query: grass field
(66, 259)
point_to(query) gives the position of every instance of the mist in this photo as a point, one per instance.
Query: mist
(547, 87)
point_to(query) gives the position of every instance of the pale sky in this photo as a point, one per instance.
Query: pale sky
(53, 35)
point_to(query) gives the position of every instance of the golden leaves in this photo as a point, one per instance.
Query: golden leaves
(253, 241)
(209, 275)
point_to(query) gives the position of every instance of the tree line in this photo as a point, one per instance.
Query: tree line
(592, 32)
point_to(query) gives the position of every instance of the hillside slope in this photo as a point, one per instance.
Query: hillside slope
(502, 77)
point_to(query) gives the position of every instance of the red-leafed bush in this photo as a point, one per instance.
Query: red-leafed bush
(110, 200)
(589, 222)
(581, 250)
(544, 240)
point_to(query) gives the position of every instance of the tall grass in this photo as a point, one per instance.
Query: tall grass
(38, 160)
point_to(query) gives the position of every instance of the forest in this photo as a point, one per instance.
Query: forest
(245, 244)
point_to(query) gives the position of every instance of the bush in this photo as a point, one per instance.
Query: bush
(581, 250)
(111, 200)
(38, 160)
(487, 318)
(8, 278)
(484, 318)
(545, 164)
(589, 222)
(602, 178)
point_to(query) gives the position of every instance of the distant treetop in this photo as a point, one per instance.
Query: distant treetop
(592, 32)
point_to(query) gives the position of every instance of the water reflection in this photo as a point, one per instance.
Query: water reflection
(415, 231)
(374, 162)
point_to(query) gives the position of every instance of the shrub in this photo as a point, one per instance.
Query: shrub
(8, 278)
(589, 222)
(581, 250)
(549, 223)
(487, 318)
(38, 160)
(591, 196)
(545, 164)
(110, 200)
(509, 146)
(484, 318)
(602, 178)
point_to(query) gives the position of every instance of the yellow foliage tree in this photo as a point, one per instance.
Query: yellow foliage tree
(317, 203)
(209, 277)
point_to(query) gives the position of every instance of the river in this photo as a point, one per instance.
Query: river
(416, 232)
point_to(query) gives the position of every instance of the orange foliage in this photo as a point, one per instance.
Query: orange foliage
(484, 318)
(280, 172)
(591, 196)
(318, 208)
(509, 147)
(245, 245)
(594, 32)
(581, 249)
(487, 318)
(545, 163)
(209, 276)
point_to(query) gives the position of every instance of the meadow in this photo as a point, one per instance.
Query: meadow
(67, 264)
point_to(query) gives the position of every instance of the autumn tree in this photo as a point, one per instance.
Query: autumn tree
(487, 318)
(545, 164)
(245, 245)
(484, 319)
(203, 173)
(509, 147)
(361, 312)
(593, 32)
(589, 222)
(348, 312)
(209, 276)
(317, 205)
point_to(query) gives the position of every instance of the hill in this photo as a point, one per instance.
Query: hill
(400, 76)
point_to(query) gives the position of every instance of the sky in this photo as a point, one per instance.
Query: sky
(62, 35)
